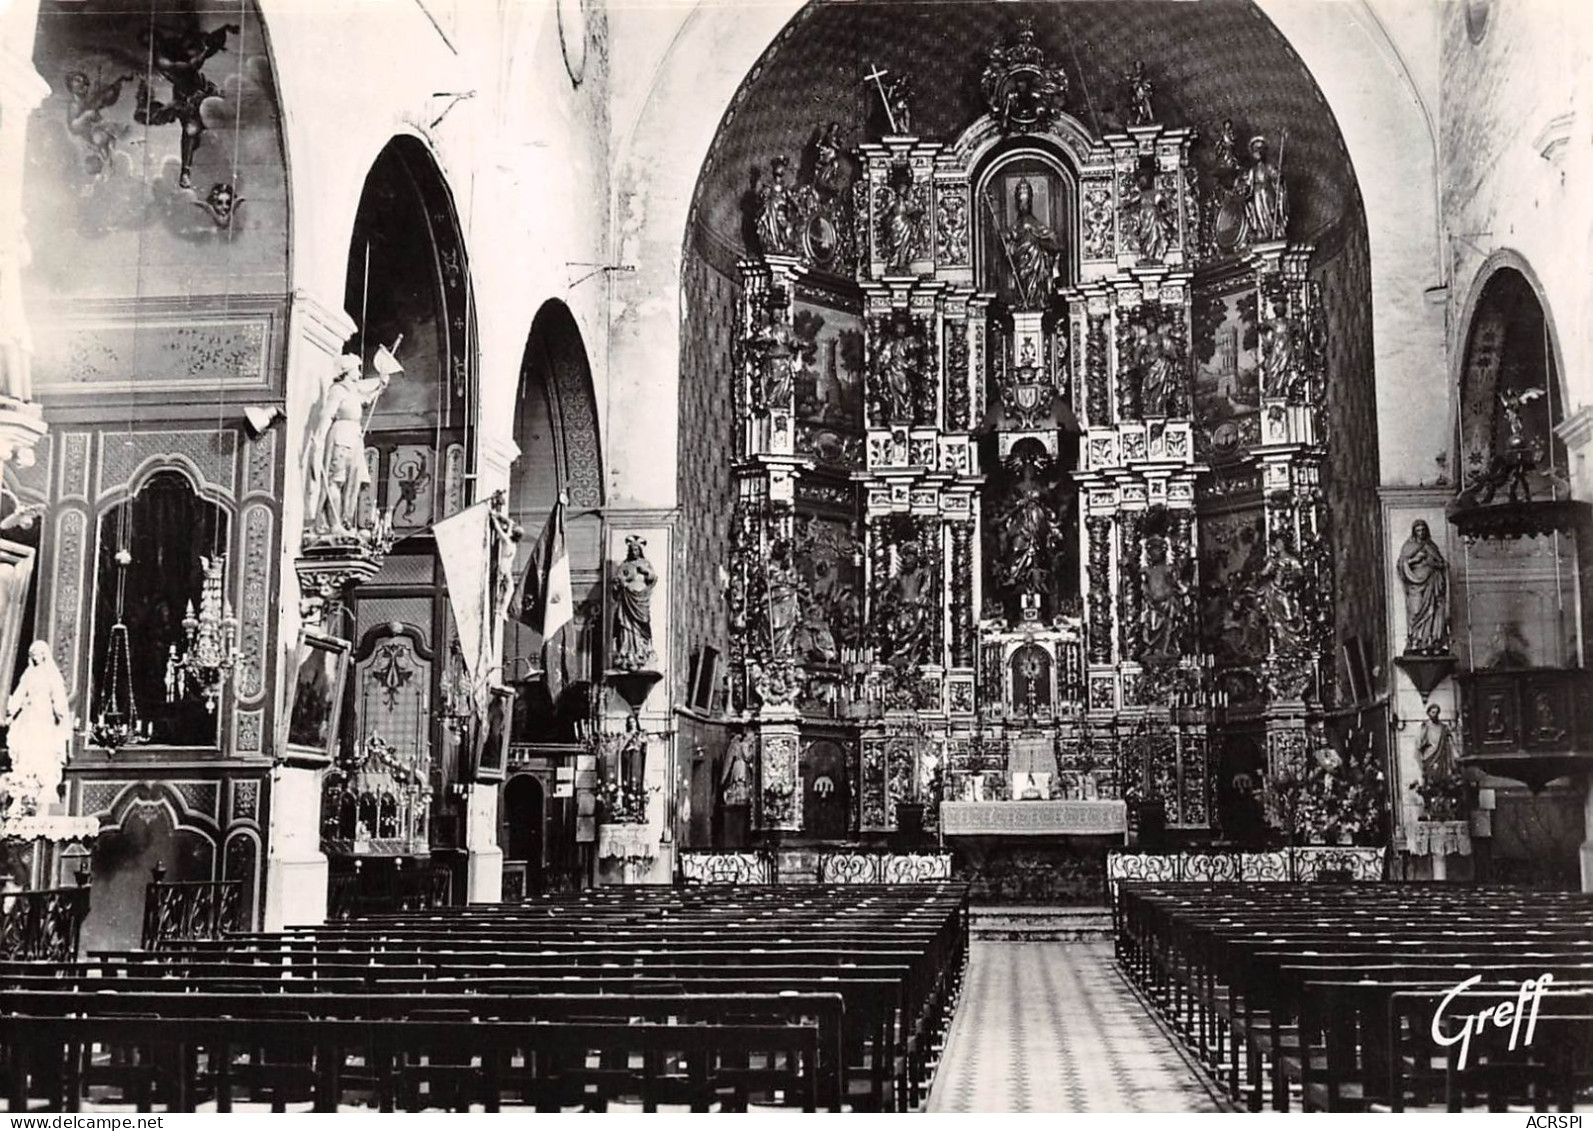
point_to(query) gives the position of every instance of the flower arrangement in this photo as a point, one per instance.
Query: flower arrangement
(624, 803)
(1443, 798)
(1330, 798)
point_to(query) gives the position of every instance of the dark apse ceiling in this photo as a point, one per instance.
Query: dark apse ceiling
(1210, 60)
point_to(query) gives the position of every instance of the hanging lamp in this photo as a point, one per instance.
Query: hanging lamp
(117, 724)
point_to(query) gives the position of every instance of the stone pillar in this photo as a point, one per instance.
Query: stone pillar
(296, 869)
(484, 868)
(1587, 844)
(1577, 432)
(495, 454)
(21, 90)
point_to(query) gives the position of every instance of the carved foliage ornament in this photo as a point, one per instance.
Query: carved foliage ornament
(1022, 88)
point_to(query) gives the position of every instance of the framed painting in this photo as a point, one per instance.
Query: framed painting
(492, 751)
(320, 669)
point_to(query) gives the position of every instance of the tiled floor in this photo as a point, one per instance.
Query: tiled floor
(1053, 1027)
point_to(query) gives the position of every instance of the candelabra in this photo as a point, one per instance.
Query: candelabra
(458, 699)
(210, 647)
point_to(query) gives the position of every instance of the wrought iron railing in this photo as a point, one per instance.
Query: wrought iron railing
(43, 924)
(191, 909)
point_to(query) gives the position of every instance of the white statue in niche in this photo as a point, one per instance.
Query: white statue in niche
(335, 472)
(39, 719)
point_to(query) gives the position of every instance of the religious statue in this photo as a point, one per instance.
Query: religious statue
(735, 781)
(634, 580)
(335, 472)
(40, 721)
(1266, 200)
(1425, 575)
(1157, 361)
(1284, 580)
(1154, 226)
(1226, 156)
(908, 608)
(829, 167)
(785, 609)
(1164, 616)
(773, 224)
(899, 105)
(1140, 91)
(780, 367)
(1032, 251)
(899, 226)
(1513, 402)
(896, 387)
(1026, 532)
(1277, 354)
(1435, 748)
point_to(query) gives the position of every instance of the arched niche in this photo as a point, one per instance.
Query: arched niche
(165, 529)
(408, 282)
(1509, 353)
(555, 429)
(1521, 621)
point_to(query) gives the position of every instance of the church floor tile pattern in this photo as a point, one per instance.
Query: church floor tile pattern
(1053, 1027)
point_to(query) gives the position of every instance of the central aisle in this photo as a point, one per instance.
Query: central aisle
(1053, 1027)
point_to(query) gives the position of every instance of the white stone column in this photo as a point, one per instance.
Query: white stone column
(21, 90)
(484, 868)
(296, 869)
(495, 454)
(1577, 432)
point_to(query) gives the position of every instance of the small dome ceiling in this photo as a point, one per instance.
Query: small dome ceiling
(1209, 60)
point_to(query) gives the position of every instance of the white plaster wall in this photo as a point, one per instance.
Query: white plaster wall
(676, 68)
(1510, 196)
(1376, 63)
(525, 157)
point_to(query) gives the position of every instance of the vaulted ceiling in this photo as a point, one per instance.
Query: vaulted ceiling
(1209, 60)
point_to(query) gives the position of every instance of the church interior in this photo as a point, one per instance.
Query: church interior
(787, 544)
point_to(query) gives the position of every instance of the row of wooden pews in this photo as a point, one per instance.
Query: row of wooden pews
(809, 997)
(1371, 997)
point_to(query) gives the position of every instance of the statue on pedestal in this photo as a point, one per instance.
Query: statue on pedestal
(1033, 251)
(634, 581)
(1266, 199)
(1435, 749)
(1165, 614)
(40, 720)
(335, 473)
(774, 224)
(1425, 576)
(735, 783)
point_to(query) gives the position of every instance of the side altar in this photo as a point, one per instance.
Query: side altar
(1029, 509)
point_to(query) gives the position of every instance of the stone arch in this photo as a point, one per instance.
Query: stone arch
(555, 399)
(1485, 283)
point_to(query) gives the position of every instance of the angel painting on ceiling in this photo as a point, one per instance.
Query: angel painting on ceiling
(161, 116)
(178, 55)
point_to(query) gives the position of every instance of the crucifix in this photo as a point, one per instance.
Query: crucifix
(877, 77)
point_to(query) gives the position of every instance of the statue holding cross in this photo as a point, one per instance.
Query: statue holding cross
(897, 98)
